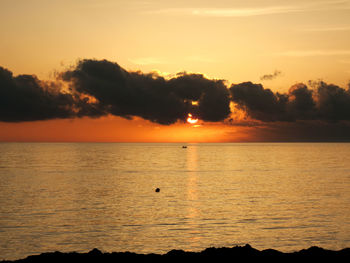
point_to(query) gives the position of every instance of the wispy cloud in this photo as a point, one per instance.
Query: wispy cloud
(310, 53)
(271, 76)
(326, 29)
(224, 12)
(201, 58)
(344, 61)
(243, 12)
(147, 61)
(256, 11)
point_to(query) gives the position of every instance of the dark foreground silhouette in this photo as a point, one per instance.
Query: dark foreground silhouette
(234, 254)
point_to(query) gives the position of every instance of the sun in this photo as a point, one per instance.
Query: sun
(191, 120)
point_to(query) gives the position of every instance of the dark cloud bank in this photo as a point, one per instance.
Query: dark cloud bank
(99, 87)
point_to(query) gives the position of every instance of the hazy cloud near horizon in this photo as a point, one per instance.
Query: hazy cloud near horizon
(101, 87)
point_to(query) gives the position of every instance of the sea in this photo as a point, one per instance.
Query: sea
(79, 196)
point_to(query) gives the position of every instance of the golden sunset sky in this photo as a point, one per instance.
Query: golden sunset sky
(237, 41)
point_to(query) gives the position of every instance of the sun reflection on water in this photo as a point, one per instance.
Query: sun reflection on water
(193, 212)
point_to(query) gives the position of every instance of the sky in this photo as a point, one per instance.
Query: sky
(236, 57)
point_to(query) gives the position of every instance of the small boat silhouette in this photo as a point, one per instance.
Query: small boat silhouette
(184, 146)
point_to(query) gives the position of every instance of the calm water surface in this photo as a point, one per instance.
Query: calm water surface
(78, 196)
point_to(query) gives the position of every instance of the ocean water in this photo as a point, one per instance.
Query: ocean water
(78, 196)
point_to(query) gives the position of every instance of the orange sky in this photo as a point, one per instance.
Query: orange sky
(116, 129)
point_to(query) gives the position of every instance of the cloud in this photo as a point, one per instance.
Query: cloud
(325, 29)
(243, 12)
(271, 76)
(101, 87)
(212, 95)
(225, 12)
(256, 11)
(95, 88)
(310, 53)
(322, 102)
(148, 61)
(201, 58)
(149, 96)
(332, 103)
(259, 103)
(26, 98)
(344, 61)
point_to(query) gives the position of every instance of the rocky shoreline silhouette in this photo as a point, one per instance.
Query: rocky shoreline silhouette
(232, 254)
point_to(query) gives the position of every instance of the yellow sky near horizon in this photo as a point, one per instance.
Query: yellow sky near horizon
(233, 40)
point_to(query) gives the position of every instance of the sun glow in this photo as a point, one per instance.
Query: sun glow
(191, 120)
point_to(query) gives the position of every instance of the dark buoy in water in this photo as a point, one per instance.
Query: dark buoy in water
(157, 190)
